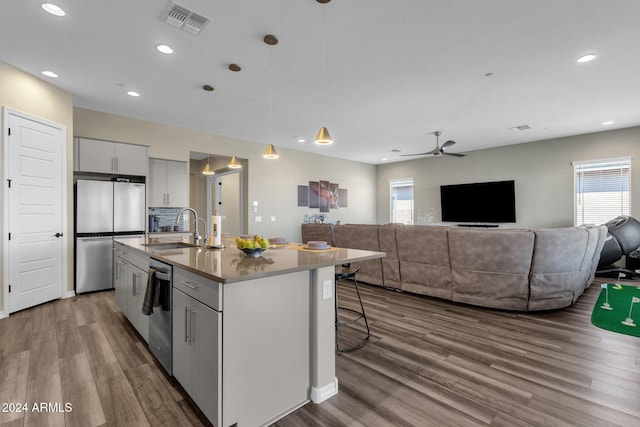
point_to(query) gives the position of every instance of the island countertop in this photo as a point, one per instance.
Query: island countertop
(231, 265)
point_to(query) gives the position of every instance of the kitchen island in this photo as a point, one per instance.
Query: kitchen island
(253, 338)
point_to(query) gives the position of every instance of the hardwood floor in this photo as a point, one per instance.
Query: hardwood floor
(437, 363)
(81, 351)
(428, 363)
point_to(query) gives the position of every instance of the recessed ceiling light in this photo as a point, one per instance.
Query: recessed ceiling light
(608, 122)
(301, 140)
(133, 93)
(384, 159)
(164, 49)
(588, 57)
(53, 9)
(50, 74)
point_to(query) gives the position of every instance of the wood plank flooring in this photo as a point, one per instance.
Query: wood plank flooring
(436, 363)
(428, 363)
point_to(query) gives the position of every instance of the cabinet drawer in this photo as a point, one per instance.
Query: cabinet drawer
(204, 290)
(138, 259)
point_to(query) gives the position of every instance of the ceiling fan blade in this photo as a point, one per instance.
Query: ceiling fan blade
(447, 144)
(416, 154)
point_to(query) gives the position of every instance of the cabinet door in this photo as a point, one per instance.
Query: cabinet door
(177, 184)
(120, 283)
(95, 156)
(136, 300)
(157, 186)
(131, 159)
(207, 367)
(181, 345)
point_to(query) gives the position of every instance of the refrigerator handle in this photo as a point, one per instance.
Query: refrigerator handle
(133, 287)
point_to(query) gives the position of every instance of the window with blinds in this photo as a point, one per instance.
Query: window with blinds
(601, 190)
(402, 201)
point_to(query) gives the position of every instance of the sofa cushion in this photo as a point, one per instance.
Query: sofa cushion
(322, 232)
(556, 277)
(597, 236)
(491, 267)
(423, 252)
(361, 236)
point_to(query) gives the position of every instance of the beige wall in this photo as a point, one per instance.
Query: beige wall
(21, 92)
(272, 183)
(542, 171)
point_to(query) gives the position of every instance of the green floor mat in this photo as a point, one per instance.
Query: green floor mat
(618, 309)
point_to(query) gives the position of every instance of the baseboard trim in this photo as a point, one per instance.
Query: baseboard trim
(69, 294)
(320, 394)
(3, 315)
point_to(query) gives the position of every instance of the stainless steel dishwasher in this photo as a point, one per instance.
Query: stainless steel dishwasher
(160, 321)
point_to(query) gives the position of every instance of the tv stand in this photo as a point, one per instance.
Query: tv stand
(479, 225)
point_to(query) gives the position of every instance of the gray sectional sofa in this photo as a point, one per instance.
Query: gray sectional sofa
(510, 269)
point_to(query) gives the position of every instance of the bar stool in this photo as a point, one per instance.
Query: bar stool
(344, 272)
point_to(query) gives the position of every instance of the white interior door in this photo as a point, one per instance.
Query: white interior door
(34, 260)
(224, 194)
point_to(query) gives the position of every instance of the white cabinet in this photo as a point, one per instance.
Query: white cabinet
(130, 282)
(92, 155)
(168, 184)
(197, 361)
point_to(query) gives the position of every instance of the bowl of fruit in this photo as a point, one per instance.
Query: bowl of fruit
(252, 247)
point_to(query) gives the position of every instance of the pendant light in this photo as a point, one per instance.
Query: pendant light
(270, 152)
(323, 137)
(207, 169)
(234, 163)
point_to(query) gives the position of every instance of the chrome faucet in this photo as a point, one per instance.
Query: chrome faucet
(196, 235)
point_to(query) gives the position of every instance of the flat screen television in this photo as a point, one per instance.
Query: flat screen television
(482, 202)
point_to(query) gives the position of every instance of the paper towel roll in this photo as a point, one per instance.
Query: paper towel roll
(216, 230)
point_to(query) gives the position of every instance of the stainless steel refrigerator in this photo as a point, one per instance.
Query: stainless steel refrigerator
(104, 209)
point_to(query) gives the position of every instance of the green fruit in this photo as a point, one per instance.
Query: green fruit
(264, 243)
(248, 244)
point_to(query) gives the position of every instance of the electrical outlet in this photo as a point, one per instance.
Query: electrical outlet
(258, 219)
(326, 289)
(273, 218)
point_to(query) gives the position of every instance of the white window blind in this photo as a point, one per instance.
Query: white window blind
(402, 201)
(601, 190)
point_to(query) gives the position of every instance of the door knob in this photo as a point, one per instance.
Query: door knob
(58, 234)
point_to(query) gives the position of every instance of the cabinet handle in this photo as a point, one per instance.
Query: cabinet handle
(189, 285)
(116, 164)
(186, 324)
(133, 288)
(192, 323)
(168, 199)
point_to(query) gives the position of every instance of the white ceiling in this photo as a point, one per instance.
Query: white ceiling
(394, 71)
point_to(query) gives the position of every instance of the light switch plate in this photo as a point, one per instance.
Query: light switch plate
(258, 219)
(326, 289)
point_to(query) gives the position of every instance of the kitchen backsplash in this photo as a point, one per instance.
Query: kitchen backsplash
(164, 219)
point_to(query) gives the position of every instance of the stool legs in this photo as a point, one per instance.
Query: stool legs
(359, 315)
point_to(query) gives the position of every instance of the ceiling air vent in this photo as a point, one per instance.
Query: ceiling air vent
(181, 17)
(520, 128)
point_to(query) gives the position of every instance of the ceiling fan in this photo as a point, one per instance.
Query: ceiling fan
(438, 151)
